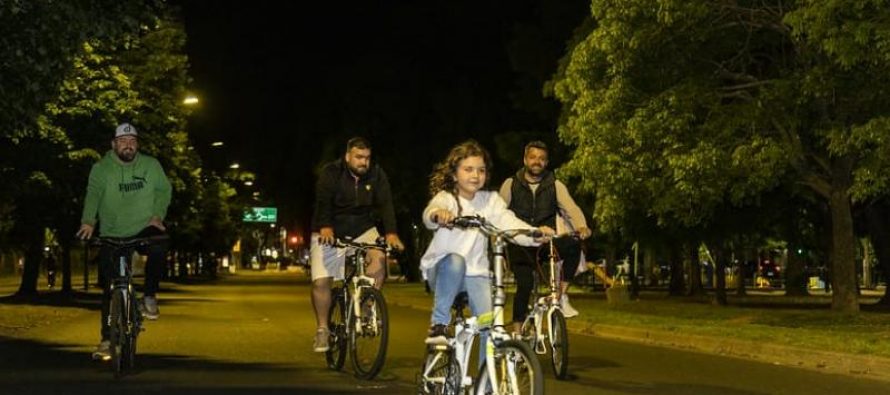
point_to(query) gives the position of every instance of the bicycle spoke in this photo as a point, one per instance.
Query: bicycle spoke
(517, 371)
(371, 326)
(336, 354)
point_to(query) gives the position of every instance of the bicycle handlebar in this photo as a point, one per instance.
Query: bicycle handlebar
(125, 242)
(476, 221)
(379, 245)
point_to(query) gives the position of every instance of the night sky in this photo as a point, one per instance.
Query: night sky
(285, 84)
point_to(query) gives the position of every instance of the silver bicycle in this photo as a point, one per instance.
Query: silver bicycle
(545, 326)
(510, 367)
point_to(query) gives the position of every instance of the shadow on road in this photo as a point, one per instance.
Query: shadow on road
(660, 388)
(76, 299)
(31, 367)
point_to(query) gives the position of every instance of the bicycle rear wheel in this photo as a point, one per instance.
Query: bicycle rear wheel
(441, 373)
(336, 354)
(132, 333)
(559, 344)
(368, 345)
(517, 371)
(118, 332)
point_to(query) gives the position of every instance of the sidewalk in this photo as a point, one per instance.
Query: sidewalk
(770, 350)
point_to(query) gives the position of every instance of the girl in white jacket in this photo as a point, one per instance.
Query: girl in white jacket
(457, 259)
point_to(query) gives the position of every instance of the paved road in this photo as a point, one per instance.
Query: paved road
(252, 334)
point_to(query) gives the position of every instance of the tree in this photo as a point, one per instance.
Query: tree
(695, 105)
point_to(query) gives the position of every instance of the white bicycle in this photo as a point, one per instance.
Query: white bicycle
(510, 366)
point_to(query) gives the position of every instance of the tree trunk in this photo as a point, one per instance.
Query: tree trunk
(649, 263)
(795, 274)
(678, 285)
(33, 257)
(634, 282)
(66, 267)
(720, 262)
(695, 284)
(845, 297)
(742, 272)
(879, 231)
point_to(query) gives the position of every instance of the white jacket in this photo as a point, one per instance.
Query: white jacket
(471, 244)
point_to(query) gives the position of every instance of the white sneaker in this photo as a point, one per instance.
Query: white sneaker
(321, 340)
(149, 308)
(567, 310)
(103, 351)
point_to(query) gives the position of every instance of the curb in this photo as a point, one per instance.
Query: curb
(868, 367)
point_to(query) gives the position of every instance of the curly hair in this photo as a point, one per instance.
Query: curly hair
(443, 176)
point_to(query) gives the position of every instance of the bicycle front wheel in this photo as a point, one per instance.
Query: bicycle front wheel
(559, 344)
(371, 334)
(118, 332)
(336, 354)
(441, 373)
(517, 371)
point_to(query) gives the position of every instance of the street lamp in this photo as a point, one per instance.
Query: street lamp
(216, 144)
(234, 166)
(190, 100)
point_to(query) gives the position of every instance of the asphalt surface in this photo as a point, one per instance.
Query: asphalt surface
(251, 333)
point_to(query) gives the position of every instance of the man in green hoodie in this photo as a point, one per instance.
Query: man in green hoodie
(129, 193)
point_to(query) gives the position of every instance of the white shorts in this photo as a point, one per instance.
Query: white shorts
(327, 261)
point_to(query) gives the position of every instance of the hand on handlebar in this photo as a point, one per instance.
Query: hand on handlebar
(546, 233)
(393, 241)
(584, 233)
(326, 236)
(442, 217)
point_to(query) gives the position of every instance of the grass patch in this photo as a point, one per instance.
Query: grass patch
(805, 325)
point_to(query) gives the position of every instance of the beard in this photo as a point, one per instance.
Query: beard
(535, 170)
(126, 154)
(359, 171)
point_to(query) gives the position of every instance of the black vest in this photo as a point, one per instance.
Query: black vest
(538, 208)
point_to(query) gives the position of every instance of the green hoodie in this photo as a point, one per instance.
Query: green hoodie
(125, 195)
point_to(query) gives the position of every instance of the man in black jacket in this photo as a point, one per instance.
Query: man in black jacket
(350, 196)
(537, 197)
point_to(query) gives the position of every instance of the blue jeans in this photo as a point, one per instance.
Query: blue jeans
(447, 279)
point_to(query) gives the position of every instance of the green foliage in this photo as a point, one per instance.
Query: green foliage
(101, 69)
(686, 106)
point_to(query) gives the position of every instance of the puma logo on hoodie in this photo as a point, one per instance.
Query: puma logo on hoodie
(136, 185)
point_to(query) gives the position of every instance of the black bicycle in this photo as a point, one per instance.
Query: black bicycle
(124, 318)
(358, 317)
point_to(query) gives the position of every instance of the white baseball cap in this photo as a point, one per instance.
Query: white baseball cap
(124, 129)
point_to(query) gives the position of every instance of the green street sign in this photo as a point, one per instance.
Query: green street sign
(261, 214)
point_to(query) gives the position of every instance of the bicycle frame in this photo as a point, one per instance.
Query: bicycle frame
(547, 304)
(354, 281)
(465, 333)
(498, 333)
(121, 282)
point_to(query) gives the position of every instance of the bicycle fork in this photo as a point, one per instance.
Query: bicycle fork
(359, 284)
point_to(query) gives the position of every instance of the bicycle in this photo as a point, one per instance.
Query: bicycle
(124, 318)
(546, 323)
(358, 316)
(510, 366)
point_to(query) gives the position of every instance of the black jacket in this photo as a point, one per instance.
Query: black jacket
(352, 206)
(538, 208)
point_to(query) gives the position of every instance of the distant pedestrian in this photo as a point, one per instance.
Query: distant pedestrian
(50, 270)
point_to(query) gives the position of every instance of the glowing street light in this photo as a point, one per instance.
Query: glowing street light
(216, 144)
(248, 183)
(234, 166)
(190, 100)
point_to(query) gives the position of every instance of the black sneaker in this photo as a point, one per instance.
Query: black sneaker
(437, 335)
